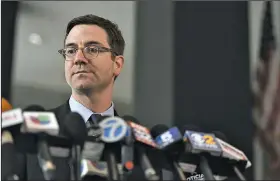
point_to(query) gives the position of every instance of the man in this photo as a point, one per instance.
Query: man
(93, 52)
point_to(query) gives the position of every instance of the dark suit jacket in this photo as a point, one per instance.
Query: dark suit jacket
(28, 166)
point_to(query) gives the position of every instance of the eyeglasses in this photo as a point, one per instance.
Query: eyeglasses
(89, 52)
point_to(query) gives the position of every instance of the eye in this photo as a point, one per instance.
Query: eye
(91, 50)
(70, 51)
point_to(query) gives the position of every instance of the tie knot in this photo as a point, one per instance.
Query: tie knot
(97, 117)
(93, 119)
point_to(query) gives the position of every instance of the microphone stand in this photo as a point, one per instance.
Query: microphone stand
(75, 165)
(44, 158)
(204, 167)
(72, 163)
(113, 172)
(77, 162)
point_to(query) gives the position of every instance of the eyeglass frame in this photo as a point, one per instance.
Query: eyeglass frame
(99, 49)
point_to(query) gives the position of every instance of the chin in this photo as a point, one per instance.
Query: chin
(83, 86)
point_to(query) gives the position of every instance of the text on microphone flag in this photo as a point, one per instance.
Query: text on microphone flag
(142, 134)
(12, 117)
(233, 152)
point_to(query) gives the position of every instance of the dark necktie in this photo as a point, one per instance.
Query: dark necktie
(92, 120)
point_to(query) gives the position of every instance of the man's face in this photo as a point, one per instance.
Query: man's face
(84, 74)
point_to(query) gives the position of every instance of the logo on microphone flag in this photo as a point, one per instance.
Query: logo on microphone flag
(114, 129)
(40, 119)
(170, 136)
(41, 122)
(203, 142)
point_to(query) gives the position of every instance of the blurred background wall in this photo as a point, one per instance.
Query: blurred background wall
(185, 62)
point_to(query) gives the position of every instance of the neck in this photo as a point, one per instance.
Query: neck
(97, 102)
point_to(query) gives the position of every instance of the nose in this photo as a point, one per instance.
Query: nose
(80, 58)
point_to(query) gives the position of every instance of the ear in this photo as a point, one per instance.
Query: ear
(118, 65)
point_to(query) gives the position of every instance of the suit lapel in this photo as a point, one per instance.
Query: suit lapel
(115, 113)
(61, 112)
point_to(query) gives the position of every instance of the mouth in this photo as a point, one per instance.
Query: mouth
(79, 72)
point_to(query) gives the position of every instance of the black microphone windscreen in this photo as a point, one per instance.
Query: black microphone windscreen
(220, 135)
(74, 127)
(37, 108)
(130, 118)
(190, 128)
(158, 129)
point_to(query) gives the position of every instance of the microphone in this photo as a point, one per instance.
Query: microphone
(42, 123)
(74, 128)
(233, 154)
(12, 121)
(230, 151)
(8, 157)
(10, 117)
(210, 148)
(170, 141)
(202, 144)
(143, 138)
(114, 131)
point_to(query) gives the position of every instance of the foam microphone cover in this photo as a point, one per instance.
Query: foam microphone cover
(130, 118)
(158, 129)
(34, 108)
(74, 127)
(221, 135)
(189, 127)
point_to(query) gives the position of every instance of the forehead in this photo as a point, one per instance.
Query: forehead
(80, 34)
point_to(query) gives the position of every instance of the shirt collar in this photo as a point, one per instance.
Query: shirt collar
(75, 106)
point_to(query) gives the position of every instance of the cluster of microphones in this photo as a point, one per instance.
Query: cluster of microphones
(112, 148)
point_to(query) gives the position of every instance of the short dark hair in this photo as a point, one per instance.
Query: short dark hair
(115, 38)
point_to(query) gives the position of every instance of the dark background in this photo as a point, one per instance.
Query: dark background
(212, 85)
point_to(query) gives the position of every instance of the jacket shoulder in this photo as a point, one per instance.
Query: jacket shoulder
(57, 109)
(61, 111)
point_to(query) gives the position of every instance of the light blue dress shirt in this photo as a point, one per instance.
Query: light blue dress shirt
(75, 106)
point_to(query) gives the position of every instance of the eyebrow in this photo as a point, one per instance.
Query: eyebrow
(86, 44)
